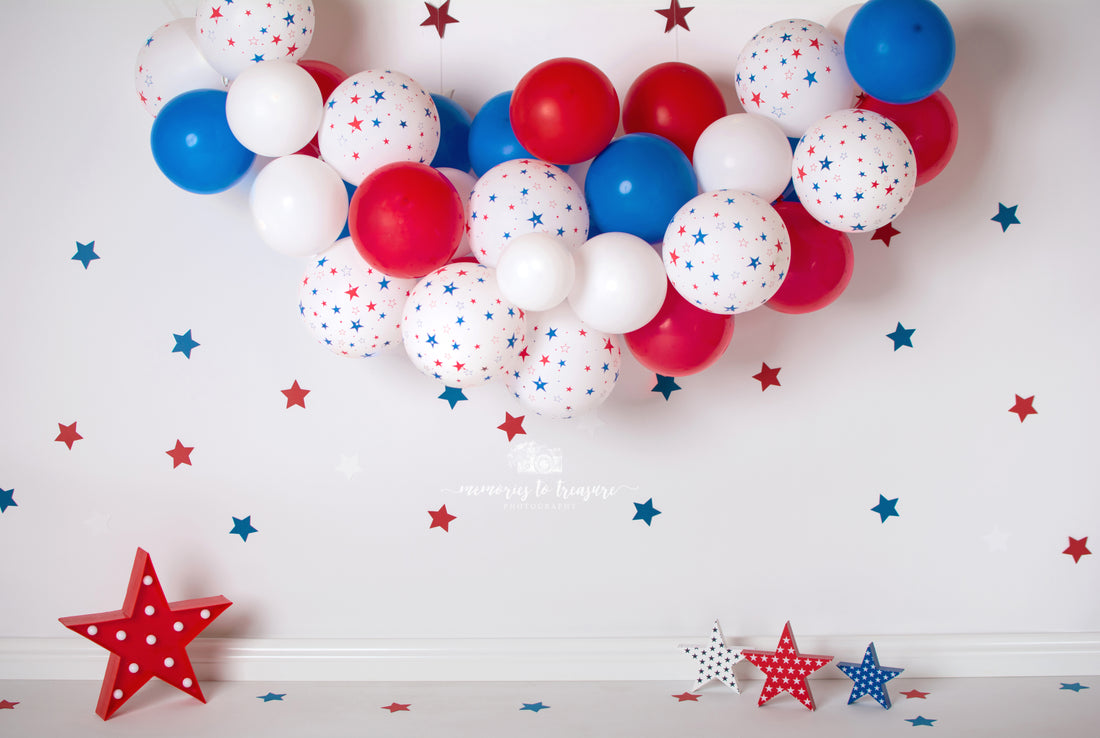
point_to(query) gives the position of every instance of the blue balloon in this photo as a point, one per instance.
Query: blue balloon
(193, 146)
(492, 140)
(637, 184)
(899, 51)
(454, 125)
(351, 193)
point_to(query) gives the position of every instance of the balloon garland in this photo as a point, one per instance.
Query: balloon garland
(695, 215)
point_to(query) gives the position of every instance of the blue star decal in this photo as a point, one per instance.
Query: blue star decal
(243, 527)
(384, 284)
(869, 678)
(289, 18)
(699, 236)
(1075, 686)
(534, 706)
(7, 499)
(902, 336)
(645, 511)
(666, 386)
(920, 720)
(810, 78)
(85, 253)
(1005, 216)
(886, 508)
(257, 58)
(825, 163)
(754, 262)
(378, 96)
(552, 333)
(453, 396)
(184, 343)
(270, 696)
(540, 385)
(449, 288)
(535, 219)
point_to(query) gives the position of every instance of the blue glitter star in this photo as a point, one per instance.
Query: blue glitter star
(453, 396)
(666, 386)
(243, 527)
(869, 678)
(645, 511)
(184, 343)
(886, 508)
(85, 253)
(1005, 216)
(902, 336)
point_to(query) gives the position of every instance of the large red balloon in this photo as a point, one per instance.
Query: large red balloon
(564, 111)
(681, 339)
(406, 219)
(328, 77)
(931, 127)
(674, 100)
(821, 263)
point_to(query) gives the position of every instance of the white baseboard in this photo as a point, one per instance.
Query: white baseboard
(558, 659)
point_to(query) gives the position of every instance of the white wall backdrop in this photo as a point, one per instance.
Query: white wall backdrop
(765, 496)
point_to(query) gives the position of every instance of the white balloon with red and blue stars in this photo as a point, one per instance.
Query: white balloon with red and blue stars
(726, 251)
(459, 329)
(374, 118)
(524, 196)
(349, 306)
(794, 72)
(234, 35)
(566, 368)
(169, 63)
(854, 170)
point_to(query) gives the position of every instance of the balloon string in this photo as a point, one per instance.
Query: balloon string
(676, 33)
(441, 91)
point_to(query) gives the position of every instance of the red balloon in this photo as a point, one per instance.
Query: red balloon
(406, 219)
(931, 126)
(328, 77)
(674, 100)
(564, 111)
(681, 339)
(821, 263)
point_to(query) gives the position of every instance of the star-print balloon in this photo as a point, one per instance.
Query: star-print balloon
(376, 118)
(715, 661)
(787, 669)
(524, 196)
(793, 72)
(726, 251)
(566, 368)
(169, 63)
(854, 170)
(348, 305)
(233, 35)
(147, 638)
(869, 678)
(458, 328)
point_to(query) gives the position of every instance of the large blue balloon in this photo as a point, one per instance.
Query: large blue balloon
(454, 125)
(899, 51)
(637, 184)
(193, 146)
(492, 140)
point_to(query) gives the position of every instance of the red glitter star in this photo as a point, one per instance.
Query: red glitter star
(441, 519)
(768, 376)
(1077, 548)
(295, 395)
(68, 434)
(1024, 407)
(439, 17)
(787, 669)
(675, 15)
(512, 425)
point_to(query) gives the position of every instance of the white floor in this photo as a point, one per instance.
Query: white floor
(1031, 706)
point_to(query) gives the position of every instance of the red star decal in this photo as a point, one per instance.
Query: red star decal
(915, 694)
(5, 705)
(356, 123)
(607, 345)
(295, 395)
(885, 233)
(1077, 548)
(180, 454)
(675, 15)
(352, 293)
(397, 707)
(787, 669)
(686, 697)
(756, 99)
(215, 14)
(439, 17)
(441, 519)
(512, 425)
(1024, 407)
(68, 434)
(768, 376)
(147, 638)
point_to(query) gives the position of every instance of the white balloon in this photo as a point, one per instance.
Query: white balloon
(464, 183)
(743, 152)
(620, 283)
(234, 36)
(838, 26)
(170, 63)
(274, 108)
(299, 205)
(536, 271)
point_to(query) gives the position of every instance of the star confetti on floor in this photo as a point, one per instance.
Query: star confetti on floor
(787, 669)
(7, 499)
(916, 694)
(665, 385)
(768, 376)
(439, 17)
(67, 434)
(295, 395)
(886, 508)
(645, 511)
(920, 720)
(869, 678)
(441, 519)
(1005, 216)
(397, 707)
(902, 336)
(185, 344)
(271, 697)
(1077, 548)
(1074, 687)
(1024, 406)
(85, 253)
(453, 396)
(5, 705)
(180, 454)
(715, 661)
(686, 697)
(146, 620)
(885, 233)
(243, 527)
(675, 15)
(534, 706)
(512, 425)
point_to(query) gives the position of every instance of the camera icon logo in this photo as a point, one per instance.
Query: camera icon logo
(531, 457)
